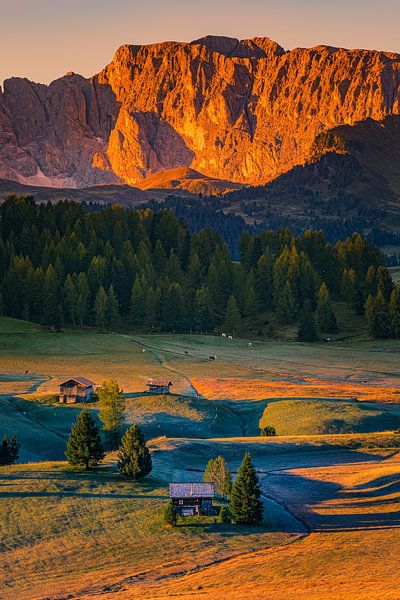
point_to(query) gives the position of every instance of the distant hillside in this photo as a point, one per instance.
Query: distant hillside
(184, 178)
(352, 173)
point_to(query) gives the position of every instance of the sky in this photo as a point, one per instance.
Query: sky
(43, 39)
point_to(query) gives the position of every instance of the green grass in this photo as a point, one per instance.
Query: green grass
(316, 417)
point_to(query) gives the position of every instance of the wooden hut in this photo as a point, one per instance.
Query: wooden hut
(159, 387)
(77, 389)
(192, 498)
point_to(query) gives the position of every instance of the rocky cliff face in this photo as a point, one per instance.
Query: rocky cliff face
(243, 111)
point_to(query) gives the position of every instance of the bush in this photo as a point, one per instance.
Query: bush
(268, 431)
(170, 516)
(223, 516)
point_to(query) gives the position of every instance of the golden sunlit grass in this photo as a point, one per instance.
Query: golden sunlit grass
(351, 553)
(65, 531)
(240, 389)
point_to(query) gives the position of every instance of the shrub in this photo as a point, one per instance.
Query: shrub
(223, 516)
(170, 515)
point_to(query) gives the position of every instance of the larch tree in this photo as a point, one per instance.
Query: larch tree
(112, 406)
(218, 473)
(325, 315)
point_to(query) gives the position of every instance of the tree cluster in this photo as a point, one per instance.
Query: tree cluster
(63, 264)
(9, 451)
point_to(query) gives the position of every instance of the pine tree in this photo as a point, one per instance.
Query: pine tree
(84, 447)
(307, 331)
(325, 316)
(112, 406)
(9, 451)
(232, 316)
(245, 504)
(170, 516)
(218, 473)
(134, 458)
(100, 308)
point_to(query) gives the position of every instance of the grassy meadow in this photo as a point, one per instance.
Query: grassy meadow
(330, 478)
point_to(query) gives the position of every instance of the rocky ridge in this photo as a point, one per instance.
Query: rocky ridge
(244, 111)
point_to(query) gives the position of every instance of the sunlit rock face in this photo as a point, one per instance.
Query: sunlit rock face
(243, 111)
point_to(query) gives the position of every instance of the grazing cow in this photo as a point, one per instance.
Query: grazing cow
(186, 352)
(144, 350)
(223, 335)
(211, 358)
(249, 344)
(230, 337)
(216, 356)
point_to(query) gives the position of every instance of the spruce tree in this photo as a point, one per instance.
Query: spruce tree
(307, 331)
(325, 316)
(218, 473)
(112, 309)
(250, 298)
(378, 316)
(84, 447)
(112, 406)
(394, 312)
(134, 458)
(285, 304)
(245, 504)
(232, 315)
(100, 309)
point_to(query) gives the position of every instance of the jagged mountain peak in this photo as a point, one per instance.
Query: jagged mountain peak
(238, 110)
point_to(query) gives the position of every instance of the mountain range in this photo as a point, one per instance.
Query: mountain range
(213, 114)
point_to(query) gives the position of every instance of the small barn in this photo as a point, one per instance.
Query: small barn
(192, 498)
(77, 389)
(158, 387)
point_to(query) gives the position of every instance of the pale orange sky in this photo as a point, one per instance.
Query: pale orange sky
(43, 39)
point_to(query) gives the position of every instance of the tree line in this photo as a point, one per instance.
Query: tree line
(63, 264)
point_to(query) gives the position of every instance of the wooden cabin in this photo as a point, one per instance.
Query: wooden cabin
(77, 389)
(159, 387)
(192, 498)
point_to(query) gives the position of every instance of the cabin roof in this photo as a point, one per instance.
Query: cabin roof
(159, 383)
(191, 490)
(81, 380)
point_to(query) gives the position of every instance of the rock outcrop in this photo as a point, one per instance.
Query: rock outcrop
(243, 111)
